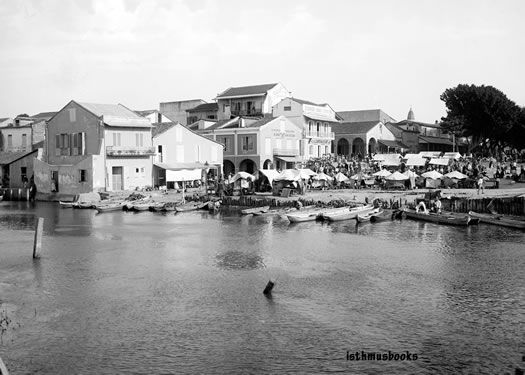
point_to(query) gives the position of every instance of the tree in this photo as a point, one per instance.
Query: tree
(483, 113)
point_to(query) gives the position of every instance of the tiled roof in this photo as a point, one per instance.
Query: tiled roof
(117, 115)
(354, 127)
(44, 115)
(4, 118)
(9, 157)
(146, 112)
(206, 107)
(246, 90)
(301, 101)
(161, 128)
(407, 122)
(220, 124)
(261, 122)
(436, 140)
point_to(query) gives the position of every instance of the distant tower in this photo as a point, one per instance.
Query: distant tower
(411, 116)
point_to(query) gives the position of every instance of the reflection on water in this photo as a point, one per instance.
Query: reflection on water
(163, 293)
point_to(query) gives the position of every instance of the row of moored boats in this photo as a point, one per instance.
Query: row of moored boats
(137, 206)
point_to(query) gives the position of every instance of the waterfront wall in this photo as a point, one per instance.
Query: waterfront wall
(504, 206)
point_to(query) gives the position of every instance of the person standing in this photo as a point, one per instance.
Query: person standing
(481, 184)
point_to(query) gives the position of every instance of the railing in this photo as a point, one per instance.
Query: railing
(129, 151)
(318, 134)
(286, 151)
(252, 112)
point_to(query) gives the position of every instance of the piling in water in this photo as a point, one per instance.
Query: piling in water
(269, 287)
(37, 245)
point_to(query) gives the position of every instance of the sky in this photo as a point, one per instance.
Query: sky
(352, 54)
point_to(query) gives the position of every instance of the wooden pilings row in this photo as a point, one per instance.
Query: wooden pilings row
(15, 194)
(505, 206)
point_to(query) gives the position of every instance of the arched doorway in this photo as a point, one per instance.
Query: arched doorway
(228, 167)
(343, 147)
(358, 147)
(372, 146)
(332, 147)
(247, 165)
(267, 164)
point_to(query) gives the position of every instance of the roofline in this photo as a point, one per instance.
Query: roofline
(23, 156)
(184, 126)
(240, 96)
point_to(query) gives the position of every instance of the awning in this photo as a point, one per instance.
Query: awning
(435, 140)
(269, 173)
(439, 161)
(183, 175)
(289, 159)
(319, 117)
(418, 162)
(392, 144)
(181, 166)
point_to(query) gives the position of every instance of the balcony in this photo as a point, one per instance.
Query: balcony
(129, 151)
(286, 151)
(251, 112)
(318, 134)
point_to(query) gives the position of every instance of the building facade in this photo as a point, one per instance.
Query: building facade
(207, 112)
(95, 147)
(254, 101)
(154, 116)
(364, 138)
(176, 111)
(316, 120)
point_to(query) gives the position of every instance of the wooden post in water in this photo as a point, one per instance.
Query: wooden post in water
(268, 289)
(37, 246)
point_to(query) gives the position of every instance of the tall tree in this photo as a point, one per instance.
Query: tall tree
(481, 112)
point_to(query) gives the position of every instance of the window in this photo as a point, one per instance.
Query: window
(247, 143)
(142, 170)
(287, 108)
(159, 149)
(72, 114)
(10, 140)
(24, 140)
(23, 173)
(78, 141)
(139, 139)
(83, 175)
(116, 139)
(226, 142)
(136, 170)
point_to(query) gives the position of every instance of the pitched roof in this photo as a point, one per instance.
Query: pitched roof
(220, 124)
(261, 122)
(146, 112)
(159, 128)
(427, 125)
(10, 157)
(44, 115)
(206, 107)
(301, 101)
(116, 115)
(354, 127)
(4, 118)
(246, 91)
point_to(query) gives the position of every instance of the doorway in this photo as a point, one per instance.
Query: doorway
(117, 177)
(54, 181)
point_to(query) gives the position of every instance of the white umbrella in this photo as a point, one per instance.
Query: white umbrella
(322, 176)
(382, 173)
(288, 175)
(432, 174)
(410, 173)
(397, 176)
(456, 174)
(341, 177)
(306, 173)
(244, 175)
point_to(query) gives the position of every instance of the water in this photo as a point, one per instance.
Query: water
(152, 293)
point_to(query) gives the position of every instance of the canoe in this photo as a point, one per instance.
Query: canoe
(367, 216)
(156, 207)
(444, 218)
(348, 213)
(299, 216)
(83, 205)
(109, 207)
(192, 206)
(249, 211)
(66, 204)
(141, 207)
(381, 216)
(504, 221)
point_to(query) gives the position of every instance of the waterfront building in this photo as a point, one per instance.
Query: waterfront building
(365, 115)
(255, 101)
(5, 121)
(206, 111)
(316, 120)
(181, 153)
(20, 136)
(154, 116)
(176, 110)
(43, 116)
(252, 144)
(95, 147)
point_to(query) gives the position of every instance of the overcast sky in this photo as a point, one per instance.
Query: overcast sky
(350, 54)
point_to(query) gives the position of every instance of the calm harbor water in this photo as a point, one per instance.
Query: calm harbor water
(154, 293)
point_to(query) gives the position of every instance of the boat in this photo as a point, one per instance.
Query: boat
(191, 206)
(302, 216)
(156, 206)
(347, 213)
(447, 218)
(83, 205)
(366, 217)
(383, 215)
(495, 219)
(109, 207)
(249, 211)
(140, 207)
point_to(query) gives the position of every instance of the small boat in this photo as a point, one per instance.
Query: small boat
(109, 207)
(191, 206)
(83, 205)
(66, 204)
(302, 216)
(347, 213)
(383, 215)
(249, 211)
(495, 219)
(447, 218)
(141, 207)
(366, 217)
(157, 207)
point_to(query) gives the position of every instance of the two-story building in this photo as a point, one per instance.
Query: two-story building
(176, 110)
(250, 145)
(254, 101)
(316, 120)
(206, 111)
(154, 116)
(95, 147)
(181, 154)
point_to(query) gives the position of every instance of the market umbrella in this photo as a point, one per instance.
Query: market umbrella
(456, 174)
(244, 175)
(382, 173)
(341, 177)
(288, 175)
(306, 173)
(432, 174)
(322, 176)
(397, 176)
